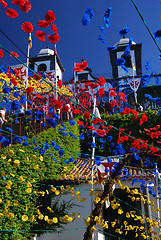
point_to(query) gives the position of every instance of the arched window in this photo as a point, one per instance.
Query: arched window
(42, 67)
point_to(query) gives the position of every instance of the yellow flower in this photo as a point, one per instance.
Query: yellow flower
(46, 218)
(41, 217)
(55, 219)
(41, 158)
(3, 156)
(50, 210)
(29, 190)
(57, 192)
(120, 211)
(8, 187)
(50, 221)
(10, 152)
(79, 215)
(1, 214)
(83, 199)
(15, 203)
(16, 163)
(8, 203)
(5, 210)
(0, 200)
(9, 183)
(24, 218)
(36, 167)
(21, 178)
(26, 159)
(29, 184)
(34, 157)
(32, 219)
(93, 228)
(11, 215)
(77, 193)
(21, 150)
(9, 160)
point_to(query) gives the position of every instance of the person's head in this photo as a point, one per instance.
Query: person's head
(145, 100)
(4, 109)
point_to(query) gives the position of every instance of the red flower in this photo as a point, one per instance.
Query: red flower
(101, 81)
(79, 67)
(13, 81)
(43, 23)
(100, 132)
(109, 128)
(113, 103)
(80, 123)
(53, 38)
(94, 85)
(112, 93)
(11, 13)
(13, 53)
(90, 128)
(4, 3)
(123, 100)
(118, 103)
(1, 53)
(26, 7)
(65, 108)
(155, 128)
(87, 115)
(134, 118)
(60, 83)
(111, 89)
(41, 35)
(122, 95)
(76, 111)
(29, 90)
(101, 92)
(58, 105)
(54, 28)
(37, 77)
(27, 27)
(134, 112)
(143, 119)
(19, 2)
(50, 16)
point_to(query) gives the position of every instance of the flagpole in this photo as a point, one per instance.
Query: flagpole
(27, 64)
(135, 94)
(55, 72)
(157, 195)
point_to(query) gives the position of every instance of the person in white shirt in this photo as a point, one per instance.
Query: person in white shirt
(2, 115)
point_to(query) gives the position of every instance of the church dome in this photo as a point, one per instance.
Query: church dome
(45, 52)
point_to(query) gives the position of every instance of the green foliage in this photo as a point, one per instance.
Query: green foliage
(126, 123)
(21, 167)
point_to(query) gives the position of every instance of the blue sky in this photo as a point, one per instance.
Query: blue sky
(77, 41)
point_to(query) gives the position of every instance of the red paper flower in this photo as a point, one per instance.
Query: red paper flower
(90, 128)
(50, 16)
(79, 67)
(58, 105)
(80, 123)
(13, 53)
(100, 132)
(87, 115)
(26, 7)
(155, 128)
(43, 23)
(101, 81)
(13, 81)
(94, 85)
(4, 3)
(29, 90)
(134, 118)
(41, 35)
(37, 77)
(60, 83)
(11, 13)
(123, 99)
(65, 108)
(113, 103)
(27, 27)
(76, 111)
(143, 119)
(118, 103)
(112, 93)
(53, 38)
(54, 28)
(122, 95)
(134, 112)
(111, 89)
(1, 53)
(19, 2)
(101, 92)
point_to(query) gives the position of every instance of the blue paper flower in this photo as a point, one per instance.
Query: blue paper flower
(109, 138)
(120, 61)
(157, 34)
(111, 48)
(65, 134)
(36, 148)
(53, 144)
(86, 20)
(25, 144)
(61, 153)
(18, 139)
(46, 146)
(41, 151)
(101, 39)
(108, 13)
(71, 122)
(90, 12)
(127, 51)
(56, 116)
(50, 111)
(124, 68)
(124, 31)
(71, 159)
(102, 29)
(9, 129)
(34, 141)
(130, 41)
(16, 94)
(24, 138)
(62, 124)
(6, 142)
(42, 125)
(6, 90)
(57, 147)
(66, 162)
(107, 22)
(2, 139)
(93, 145)
(81, 136)
(15, 105)
(159, 112)
(54, 159)
(28, 112)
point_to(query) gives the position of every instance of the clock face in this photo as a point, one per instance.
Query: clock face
(129, 63)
